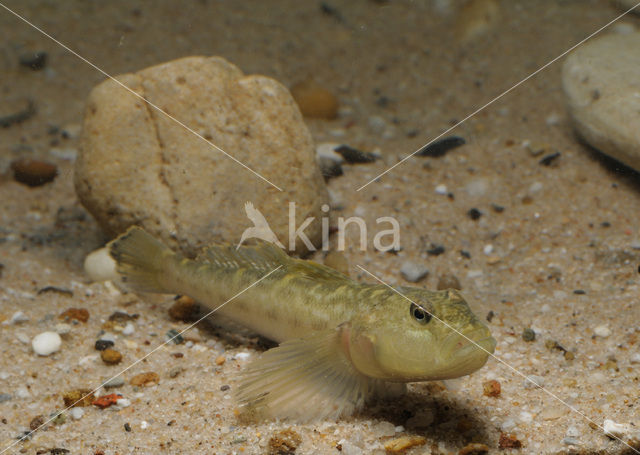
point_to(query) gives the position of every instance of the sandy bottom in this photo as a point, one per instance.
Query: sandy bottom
(561, 258)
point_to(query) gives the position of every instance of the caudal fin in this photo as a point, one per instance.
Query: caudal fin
(141, 260)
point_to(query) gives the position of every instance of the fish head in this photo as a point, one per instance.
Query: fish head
(418, 335)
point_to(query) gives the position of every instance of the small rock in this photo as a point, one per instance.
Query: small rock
(79, 314)
(383, 429)
(220, 360)
(174, 372)
(15, 110)
(491, 388)
(123, 402)
(314, 100)
(5, 397)
(553, 412)
(66, 153)
(528, 334)
(37, 422)
(602, 331)
(33, 172)
(570, 441)
(34, 60)
(18, 318)
(476, 18)
(441, 189)
(100, 266)
(533, 382)
(129, 329)
(441, 146)
(111, 356)
(284, 442)
(174, 336)
(46, 343)
(399, 445)
(63, 328)
(76, 413)
(635, 358)
(353, 155)
(103, 344)
(329, 167)
(474, 449)
(509, 441)
(436, 250)
(448, 281)
(413, 272)
(145, 379)
(78, 397)
(573, 432)
(474, 214)
(107, 400)
(184, 309)
(599, 81)
(112, 383)
(225, 387)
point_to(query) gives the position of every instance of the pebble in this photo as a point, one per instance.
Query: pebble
(383, 429)
(15, 110)
(63, 328)
(64, 153)
(314, 100)
(78, 314)
(353, 156)
(488, 249)
(34, 60)
(18, 318)
(174, 336)
(329, 168)
(175, 371)
(491, 388)
(100, 266)
(106, 400)
(441, 189)
(475, 19)
(5, 397)
(78, 397)
(474, 448)
(399, 445)
(111, 356)
(103, 344)
(635, 358)
(46, 343)
(117, 381)
(129, 329)
(570, 441)
(33, 172)
(538, 382)
(599, 81)
(349, 448)
(474, 214)
(118, 135)
(76, 413)
(528, 334)
(328, 150)
(284, 442)
(184, 309)
(509, 441)
(553, 412)
(220, 360)
(602, 331)
(123, 402)
(448, 281)
(413, 272)
(145, 379)
(441, 146)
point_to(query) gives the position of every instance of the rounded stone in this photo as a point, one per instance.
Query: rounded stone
(137, 166)
(46, 343)
(602, 88)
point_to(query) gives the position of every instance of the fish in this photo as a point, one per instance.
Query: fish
(341, 342)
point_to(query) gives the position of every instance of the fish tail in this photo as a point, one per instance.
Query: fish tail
(141, 260)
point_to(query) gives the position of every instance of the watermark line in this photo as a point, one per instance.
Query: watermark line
(140, 359)
(499, 96)
(515, 370)
(140, 96)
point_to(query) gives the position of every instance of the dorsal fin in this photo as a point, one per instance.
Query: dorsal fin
(265, 256)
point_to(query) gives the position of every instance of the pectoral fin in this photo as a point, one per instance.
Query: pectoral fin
(304, 379)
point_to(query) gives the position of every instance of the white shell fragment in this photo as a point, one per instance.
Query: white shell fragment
(99, 266)
(46, 343)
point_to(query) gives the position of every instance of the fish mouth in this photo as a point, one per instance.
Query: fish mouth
(484, 346)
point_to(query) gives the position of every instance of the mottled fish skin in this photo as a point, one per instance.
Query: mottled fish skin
(342, 342)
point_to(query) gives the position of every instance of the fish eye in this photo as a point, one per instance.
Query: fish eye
(419, 314)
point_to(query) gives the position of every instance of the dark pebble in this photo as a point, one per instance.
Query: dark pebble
(1, 266)
(581, 291)
(528, 334)
(174, 336)
(101, 345)
(474, 214)
(465, 254)
(34, 60)
(353, 155)
(329, 168)
(121, 316)
(605, 224)
(22, 111)
(441, 147)
(225, 387)
(497, 208)
(127, 427)
(549, 159)
(33, 172)
(435, 250)
(57, 290)
(36, 422)
(330, 11)
(490, 316)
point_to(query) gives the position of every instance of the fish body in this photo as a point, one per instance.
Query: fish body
(341, 341)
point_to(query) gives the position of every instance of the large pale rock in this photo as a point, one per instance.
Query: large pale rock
(601, 82)
(139, 167)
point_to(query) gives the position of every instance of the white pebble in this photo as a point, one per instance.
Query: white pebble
(22, 392)
(635, 358)
(129, 329)
(572, 432)
(144, 425)
(242, 356)
(327, 150)
(525, 417)
(46, 343)
(508, 424)
(19, 317)
(100, 266)
(399, 429)
(535, 187)
(63, 328)
(611, 428)
(533, 381)
(123, 402)
(476, 273)
(477, 187)
(441, 189)
(602, 331)
(76, 413)
(413, 272)
(23, 338)
(64, 153)
(488, 249)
